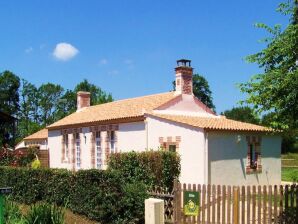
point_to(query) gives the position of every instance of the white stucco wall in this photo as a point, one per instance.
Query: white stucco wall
(55, 150)
(131, 136)
(228, 159)
(191, 148)
(185, 105)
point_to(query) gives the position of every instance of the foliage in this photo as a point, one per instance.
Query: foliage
(289, 174)
(289, 141)
(275, 90)
(17, 158)
(201, 90)
(244, 114)
(42, 213)
(158, 168)
(28, 113)
(98, 96)
(105, 196)
(48, 103)
(9, 97)
(9, 103)
(12, 213)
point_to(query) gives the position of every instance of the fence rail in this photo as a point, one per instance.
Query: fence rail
(246, 204)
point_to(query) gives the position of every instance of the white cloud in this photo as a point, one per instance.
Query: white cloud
(128, 61)
(103, 61)
(28, 50)
(114, 72)
(42, 46)
(65, 51)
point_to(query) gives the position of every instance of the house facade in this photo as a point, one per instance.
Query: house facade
(213, 149)
(38, 139)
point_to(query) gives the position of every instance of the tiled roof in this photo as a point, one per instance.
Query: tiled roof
(215, 123)
(121, 109)
(42, 134)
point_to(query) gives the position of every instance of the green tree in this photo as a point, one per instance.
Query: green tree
(245, 114)
(49, 95)
(66, 104)
(28, 113)
(201, 90)
(276, 89)
(9, 103)
(9, 97)
(98, 96)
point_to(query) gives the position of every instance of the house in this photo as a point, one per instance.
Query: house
(213, 149)
(38, 139)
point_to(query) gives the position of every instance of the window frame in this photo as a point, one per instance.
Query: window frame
(78, 161)
(98, 150)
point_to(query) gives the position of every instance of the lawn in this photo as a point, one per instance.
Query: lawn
(289, 174)
(289, 171)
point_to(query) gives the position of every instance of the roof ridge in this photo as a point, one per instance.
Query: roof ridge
(133, 98)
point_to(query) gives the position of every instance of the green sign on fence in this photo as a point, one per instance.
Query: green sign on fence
(191, 203)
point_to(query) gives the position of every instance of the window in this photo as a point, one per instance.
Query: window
(78, 151)
(112, 141)
(253, 157)
(172, 148)
(66, 147)
(253, 154)
(98, 152)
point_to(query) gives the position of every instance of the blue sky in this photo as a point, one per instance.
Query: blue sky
(129, 48)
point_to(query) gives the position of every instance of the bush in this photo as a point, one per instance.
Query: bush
(104, 196)
(113, 196)
(158, 168)
(45, 213)
(17, 158)
(12, 213)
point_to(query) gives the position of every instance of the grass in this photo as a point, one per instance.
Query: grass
(70, 217)
(289, 173)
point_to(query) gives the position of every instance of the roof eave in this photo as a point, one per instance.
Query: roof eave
(103, 122)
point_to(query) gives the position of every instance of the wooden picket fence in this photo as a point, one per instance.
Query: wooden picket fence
(246, 204)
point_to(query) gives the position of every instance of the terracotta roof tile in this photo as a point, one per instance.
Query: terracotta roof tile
(42, 134)
(216, 123)
(121, 109)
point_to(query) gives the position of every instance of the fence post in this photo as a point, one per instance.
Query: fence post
(236, 205)
(154, 211)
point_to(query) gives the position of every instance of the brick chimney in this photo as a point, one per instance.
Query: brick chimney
(184, 77)
(83, 100)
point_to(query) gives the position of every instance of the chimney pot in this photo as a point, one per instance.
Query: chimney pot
(184, 73)
(83, 99)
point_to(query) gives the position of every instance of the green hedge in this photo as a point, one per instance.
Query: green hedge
(113, 196)
(158, 168)
(100, 195)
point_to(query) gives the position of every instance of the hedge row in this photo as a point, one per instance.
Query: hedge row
(113, 196)
(100, 195)
(158, 168)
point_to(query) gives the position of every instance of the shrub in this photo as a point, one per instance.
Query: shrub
(12, 213)
(104, 196)
(17, 158)
(45, 213)
(152, 167)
